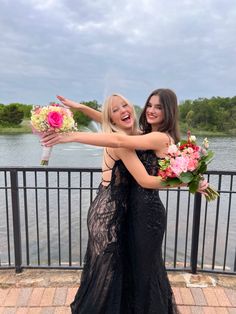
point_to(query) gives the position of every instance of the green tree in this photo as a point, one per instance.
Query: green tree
(80, 118)
(184, 108)
(11, 115)
(189, 118)
(26, 110)
(138, 111)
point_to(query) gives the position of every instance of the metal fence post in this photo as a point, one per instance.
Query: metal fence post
(16, 220)
(235, 261)
(195, 231)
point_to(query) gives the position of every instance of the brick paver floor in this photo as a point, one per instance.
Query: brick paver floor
(52, 292)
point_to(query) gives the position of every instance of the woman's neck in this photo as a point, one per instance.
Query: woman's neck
(131, 131)
(154, 128)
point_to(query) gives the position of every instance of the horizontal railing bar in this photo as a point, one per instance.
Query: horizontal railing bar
(50, 169)
(89, 169)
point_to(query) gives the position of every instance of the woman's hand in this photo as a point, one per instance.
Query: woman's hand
(49, 139)
(203, 185)
(69, 103)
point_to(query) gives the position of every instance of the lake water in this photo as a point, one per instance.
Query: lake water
(25, 150)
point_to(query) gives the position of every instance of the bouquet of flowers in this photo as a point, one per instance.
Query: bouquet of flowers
(51, 118)
(185, 163)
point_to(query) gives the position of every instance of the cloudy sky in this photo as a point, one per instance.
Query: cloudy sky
(87, 49)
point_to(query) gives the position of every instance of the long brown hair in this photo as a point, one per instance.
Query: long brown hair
(170, 123)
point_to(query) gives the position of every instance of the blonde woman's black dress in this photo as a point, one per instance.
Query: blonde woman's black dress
(102, 288)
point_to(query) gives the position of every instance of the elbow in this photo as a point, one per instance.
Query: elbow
(121, 141)
(117, 142)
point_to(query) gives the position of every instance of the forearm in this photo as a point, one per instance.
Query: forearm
(97, 139)
(88, 111)
(150, 182)
(137, 169)
(113, 140)
(93, 114)
(117, 140)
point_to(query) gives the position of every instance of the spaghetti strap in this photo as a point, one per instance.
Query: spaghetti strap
(170, 139)
(109, 168)
(110, 155)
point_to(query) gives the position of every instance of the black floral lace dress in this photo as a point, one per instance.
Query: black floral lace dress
(102, 285)
(150, 289)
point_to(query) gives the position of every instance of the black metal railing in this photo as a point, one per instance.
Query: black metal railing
(43, 220)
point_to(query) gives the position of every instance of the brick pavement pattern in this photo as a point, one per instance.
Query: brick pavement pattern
(28, 297)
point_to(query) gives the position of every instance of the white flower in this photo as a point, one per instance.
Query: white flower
(206, 143)
(192, 138)
(173, 149)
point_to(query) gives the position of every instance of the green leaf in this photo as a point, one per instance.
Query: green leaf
(171, 182)
(202, 168)
(209, 156)
(183, 142)
(193, 186)
(186, 177)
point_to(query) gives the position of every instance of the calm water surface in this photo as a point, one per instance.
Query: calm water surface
(25, 150)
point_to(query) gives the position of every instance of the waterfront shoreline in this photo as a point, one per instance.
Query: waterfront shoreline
(25, 128)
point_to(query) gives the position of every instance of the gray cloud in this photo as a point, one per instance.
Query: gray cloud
(88, 49)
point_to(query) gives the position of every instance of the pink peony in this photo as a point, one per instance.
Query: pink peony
(192, 164)
(195, 155)
(55, 119)
(179, 165)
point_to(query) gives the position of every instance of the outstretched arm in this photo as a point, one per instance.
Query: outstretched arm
(154, 140)
(88, 111)
(137, 169)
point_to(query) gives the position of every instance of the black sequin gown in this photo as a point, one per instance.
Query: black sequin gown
(102, 286)
(150, 291)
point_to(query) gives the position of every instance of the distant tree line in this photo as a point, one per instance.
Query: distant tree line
(216, 114)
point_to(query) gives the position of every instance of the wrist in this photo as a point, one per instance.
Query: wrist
(159, 182)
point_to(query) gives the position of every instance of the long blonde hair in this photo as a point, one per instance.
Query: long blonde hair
(107, 125)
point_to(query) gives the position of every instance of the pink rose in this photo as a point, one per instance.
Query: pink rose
(55, 119)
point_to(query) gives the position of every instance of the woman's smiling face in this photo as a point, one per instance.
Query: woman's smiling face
(121, 114)
(154, 112)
